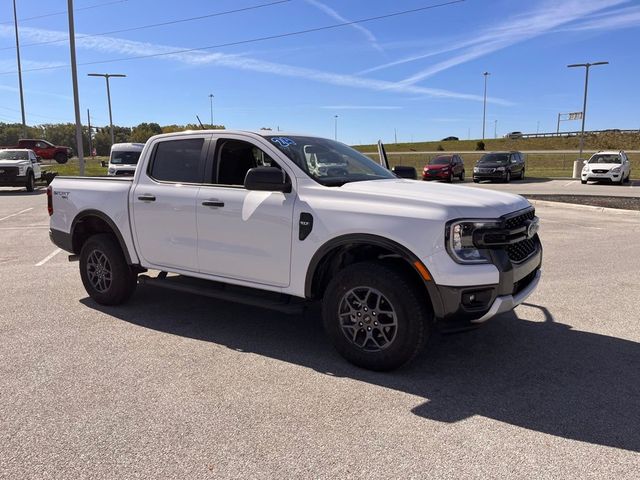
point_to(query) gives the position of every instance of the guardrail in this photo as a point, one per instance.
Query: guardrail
(573, 134)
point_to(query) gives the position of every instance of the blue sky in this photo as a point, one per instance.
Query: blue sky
(419, 73)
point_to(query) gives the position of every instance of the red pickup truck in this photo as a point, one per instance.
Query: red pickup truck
(44, 149)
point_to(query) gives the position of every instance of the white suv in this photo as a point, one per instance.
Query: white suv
(609, 165)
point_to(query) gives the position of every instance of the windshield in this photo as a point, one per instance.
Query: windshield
(440, 161)
(613, 158)
(499, 158)
(13, 155)
(328, 162)
(123, 157)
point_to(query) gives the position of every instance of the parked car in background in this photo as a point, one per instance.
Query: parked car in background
(450, 139)
(502, 166)
(444, 167)
(513, 135)
(19, 168)
(612, 166)
(44, 149)
(124, 158)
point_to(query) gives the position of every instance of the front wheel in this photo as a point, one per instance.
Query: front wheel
(105, 274)
(507, 177)
(375, 317)
(583, 182)
(31, 182)
(462, 176)
(522, 175)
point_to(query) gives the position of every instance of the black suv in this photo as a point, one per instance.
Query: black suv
(499, 166)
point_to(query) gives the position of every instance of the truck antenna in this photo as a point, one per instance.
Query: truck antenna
(201, 125)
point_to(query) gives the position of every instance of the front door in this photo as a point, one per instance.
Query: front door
(242, 234)
(164, 203)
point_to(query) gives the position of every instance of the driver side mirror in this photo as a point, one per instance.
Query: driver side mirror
(267, 179)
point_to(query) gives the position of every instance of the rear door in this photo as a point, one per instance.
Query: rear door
(244, 235)
(163, 202)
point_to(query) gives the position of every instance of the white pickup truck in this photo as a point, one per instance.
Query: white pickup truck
(19, 167)
(283, 220)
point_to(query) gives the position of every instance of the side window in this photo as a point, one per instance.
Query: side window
(178, 161)
(40, 145)
(235, 158)
(514, 158)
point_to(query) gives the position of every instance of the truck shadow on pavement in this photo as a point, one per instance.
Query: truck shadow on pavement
(539, 375)
(22, 192)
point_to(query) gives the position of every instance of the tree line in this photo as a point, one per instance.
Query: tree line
(65, 134)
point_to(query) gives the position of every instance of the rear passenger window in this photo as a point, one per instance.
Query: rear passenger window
(178, 161)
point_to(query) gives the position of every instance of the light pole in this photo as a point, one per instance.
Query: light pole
(335, 127)
(15, 22)
(584, 105)
(74, 81)
(484, 108)
(495, 129)
(107, 76)
(211, 106)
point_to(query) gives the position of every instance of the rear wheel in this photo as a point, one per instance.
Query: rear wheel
(61, 158)
(31, 182)
(105, 274)
(375, 317)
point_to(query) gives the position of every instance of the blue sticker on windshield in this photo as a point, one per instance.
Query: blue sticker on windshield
(283, 141)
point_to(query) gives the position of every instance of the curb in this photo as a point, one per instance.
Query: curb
(592, 208)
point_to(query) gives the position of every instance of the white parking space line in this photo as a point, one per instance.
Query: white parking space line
(18, 213)
(30, 227)
(569, 183)
(48, 257)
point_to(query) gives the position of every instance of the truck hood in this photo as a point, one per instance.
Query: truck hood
(457, 201)
(14, 163)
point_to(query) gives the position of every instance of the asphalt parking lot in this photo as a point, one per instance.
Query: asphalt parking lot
(176, 386)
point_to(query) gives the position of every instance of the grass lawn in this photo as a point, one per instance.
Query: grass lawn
(92, 167)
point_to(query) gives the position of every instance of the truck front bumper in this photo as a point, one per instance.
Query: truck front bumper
(13, 180)
(460, 308)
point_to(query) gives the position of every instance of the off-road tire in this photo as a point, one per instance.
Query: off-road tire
(412, 315)
(122, 281)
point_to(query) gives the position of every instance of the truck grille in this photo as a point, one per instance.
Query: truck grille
(8, 171)
(522, 250)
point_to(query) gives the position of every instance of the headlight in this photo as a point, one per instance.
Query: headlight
(112, 171)
(459, 240)
(475, 169)
(615, 169)
(585, 169)
(500, 169)
(22, 170)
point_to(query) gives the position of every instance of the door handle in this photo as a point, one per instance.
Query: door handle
(213, 203)
(147, 198)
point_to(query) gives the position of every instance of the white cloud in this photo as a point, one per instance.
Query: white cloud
(546, 18)
(628, 17)
(335, 15)
(130, 48)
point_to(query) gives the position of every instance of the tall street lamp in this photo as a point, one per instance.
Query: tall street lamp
(484, 108)
(584, 105)
(107, 76)
(335, 127)
(211, 106)
(15, 21)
